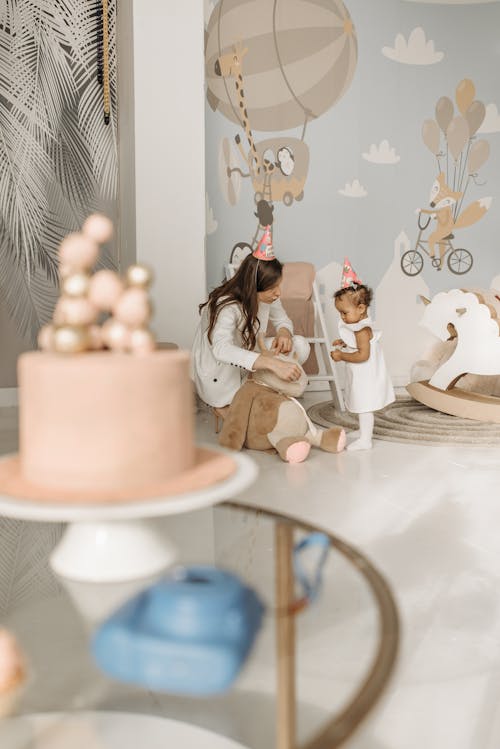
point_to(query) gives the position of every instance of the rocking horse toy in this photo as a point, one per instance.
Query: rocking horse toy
(468, 321)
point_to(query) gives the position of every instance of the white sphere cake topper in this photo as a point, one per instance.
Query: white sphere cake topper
(142, 341)
(115, 335)
(78, 252)
(46, 337)
(105, 289)
(76, 311)
(76, 285)
(133, 308)
(96, 341)
(99, 228)
(85, 298)
(70, 339)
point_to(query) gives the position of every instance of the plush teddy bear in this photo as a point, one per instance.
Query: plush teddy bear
(264, 415)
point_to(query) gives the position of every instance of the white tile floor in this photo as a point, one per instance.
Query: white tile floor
(428, 517)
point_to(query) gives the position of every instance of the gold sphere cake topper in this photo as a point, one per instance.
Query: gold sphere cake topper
(139, 275)
(76, 284)
(86, 297)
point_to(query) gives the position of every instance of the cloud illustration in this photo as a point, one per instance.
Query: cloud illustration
(491, 122)
(382, 154)
(353, 190)
(416, 51)
(210, 222)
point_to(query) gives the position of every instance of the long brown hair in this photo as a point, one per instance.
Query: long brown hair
(251, 277)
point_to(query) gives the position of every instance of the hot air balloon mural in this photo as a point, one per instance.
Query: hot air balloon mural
(452, 139)
(274, 66)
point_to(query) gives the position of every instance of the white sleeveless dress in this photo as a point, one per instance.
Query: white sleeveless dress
(368, 386)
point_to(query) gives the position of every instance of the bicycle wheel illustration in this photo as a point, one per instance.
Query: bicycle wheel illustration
(460, 261)
(412, 262)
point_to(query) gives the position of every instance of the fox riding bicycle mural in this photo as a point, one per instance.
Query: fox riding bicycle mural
(458, 162)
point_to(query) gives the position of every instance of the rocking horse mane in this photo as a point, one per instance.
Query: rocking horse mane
(487, 298)
(481, 296)
(472, 317)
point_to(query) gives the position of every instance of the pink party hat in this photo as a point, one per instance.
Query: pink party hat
(348, 275)
(264, 249)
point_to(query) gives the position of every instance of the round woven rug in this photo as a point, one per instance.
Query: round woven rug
(406, 420)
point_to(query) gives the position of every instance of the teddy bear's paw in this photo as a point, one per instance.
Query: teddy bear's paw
(298, 452)
(333, 440)
(293, 450)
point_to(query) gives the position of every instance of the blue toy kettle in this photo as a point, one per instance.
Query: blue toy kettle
(188, 634)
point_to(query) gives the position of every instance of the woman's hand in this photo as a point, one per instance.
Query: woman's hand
(283, 343)
(285, 370)
(338, 342)
(336, 355)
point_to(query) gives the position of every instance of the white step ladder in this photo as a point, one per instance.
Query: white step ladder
(323, 341)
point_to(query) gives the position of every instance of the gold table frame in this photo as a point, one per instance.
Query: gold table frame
(341, 727)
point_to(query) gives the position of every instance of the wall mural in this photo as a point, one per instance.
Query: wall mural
(364, 168)
(274, 67)
(58, 154)
(458, 163)
(417, 50)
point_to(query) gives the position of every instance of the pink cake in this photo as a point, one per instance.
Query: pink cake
(107, 427)
(103, 415)
(104, 420)
(102, 427)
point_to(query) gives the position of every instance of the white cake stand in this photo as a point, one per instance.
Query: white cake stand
(114, 543)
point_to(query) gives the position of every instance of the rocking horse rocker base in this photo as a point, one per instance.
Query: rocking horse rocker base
(457, 402)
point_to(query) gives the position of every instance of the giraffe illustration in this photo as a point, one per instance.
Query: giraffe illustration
(230, 66)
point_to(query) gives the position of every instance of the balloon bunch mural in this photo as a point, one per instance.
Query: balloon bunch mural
(295, 62)
(458, 161)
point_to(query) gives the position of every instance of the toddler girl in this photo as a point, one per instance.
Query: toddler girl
(368, 386)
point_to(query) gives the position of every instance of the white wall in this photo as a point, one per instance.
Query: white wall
(170, 159)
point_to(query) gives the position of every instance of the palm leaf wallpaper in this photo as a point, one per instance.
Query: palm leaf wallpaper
(58, 156)
(24, 562)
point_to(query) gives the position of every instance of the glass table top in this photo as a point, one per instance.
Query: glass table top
(309, 681)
